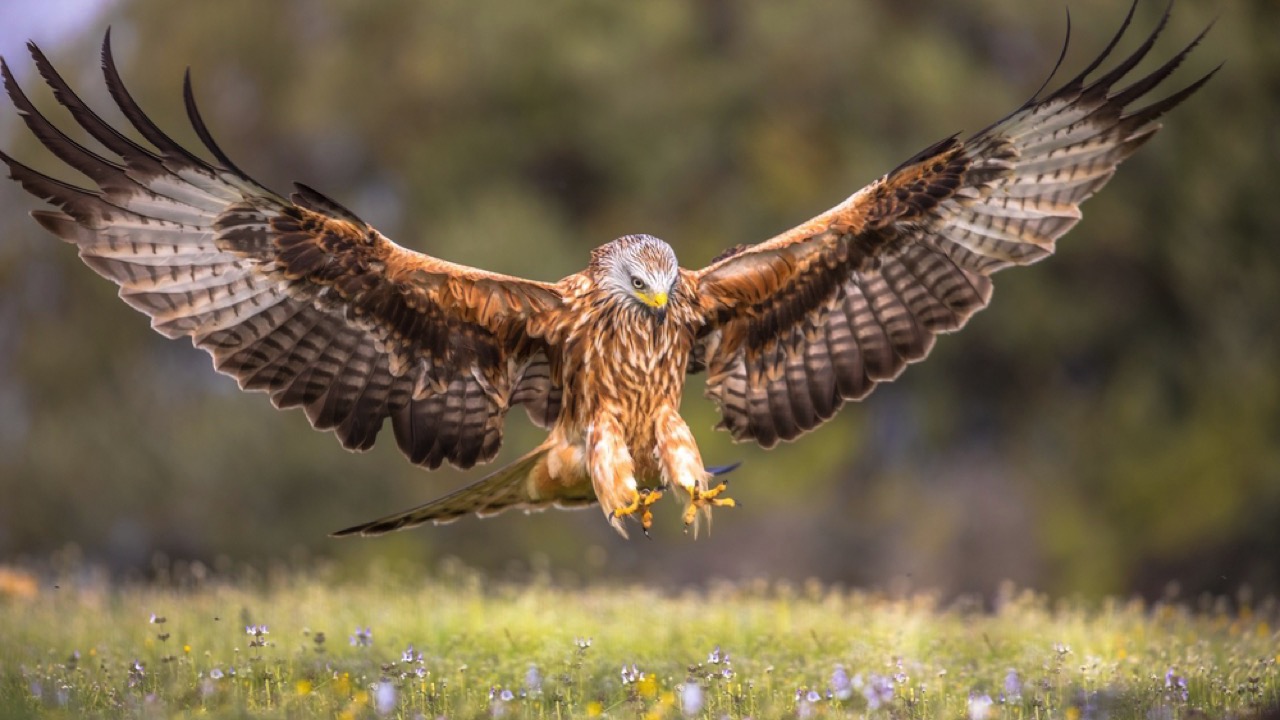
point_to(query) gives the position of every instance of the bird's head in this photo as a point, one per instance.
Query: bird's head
(637, 268)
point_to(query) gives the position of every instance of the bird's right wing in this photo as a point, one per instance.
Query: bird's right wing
(295, 297)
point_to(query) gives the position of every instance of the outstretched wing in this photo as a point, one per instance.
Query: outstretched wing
(295, 297)
(822, 313)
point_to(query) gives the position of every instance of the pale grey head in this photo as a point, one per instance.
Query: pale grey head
(641, 268)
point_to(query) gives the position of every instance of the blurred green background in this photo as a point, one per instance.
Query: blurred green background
(1110, 424)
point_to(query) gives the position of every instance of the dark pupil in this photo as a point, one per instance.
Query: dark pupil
(637, 283)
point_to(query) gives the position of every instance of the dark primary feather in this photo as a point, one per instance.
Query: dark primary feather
(819, 315)
(299, 299)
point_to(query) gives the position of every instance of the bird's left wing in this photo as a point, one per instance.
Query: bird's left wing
(798, 324)
(295, 297)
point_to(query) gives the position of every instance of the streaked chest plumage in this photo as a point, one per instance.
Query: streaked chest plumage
(628, 362)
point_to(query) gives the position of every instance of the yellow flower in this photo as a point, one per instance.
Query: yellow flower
(343, 686)
(648, 687)
(595, 708)
(186, 649)
(303, 687)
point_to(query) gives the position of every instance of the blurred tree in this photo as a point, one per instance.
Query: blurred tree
(1129, 441)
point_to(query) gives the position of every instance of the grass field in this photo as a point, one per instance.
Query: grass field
(296, 645)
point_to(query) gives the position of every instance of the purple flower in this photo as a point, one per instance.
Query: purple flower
(533, 680)
(216, 674)
(716, 657)
(691, 698)
(632, 675)
(878, 691)
(363, 637)
(1012, 686)
(384, 698)
(498, 701)
(804, 703)
(979, 706)
(258, 633)
(137, 672)
(841, 685)
(1176, 685)
(410, 655)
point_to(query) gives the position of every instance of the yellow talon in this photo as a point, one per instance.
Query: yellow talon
(705, 500)
(641, 503)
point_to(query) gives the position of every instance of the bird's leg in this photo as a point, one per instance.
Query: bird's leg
(613, 475)
(682, 466)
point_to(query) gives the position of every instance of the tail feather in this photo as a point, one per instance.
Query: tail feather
(504, 489)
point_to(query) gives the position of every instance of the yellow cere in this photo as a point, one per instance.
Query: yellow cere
(656, 300)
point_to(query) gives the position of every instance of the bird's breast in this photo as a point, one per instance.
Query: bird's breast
(629, 364)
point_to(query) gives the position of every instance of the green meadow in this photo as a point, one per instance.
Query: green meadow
(288, 643)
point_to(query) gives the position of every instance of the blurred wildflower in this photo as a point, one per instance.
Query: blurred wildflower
(410, 655)
(1175, 685)
(716, 657)
(1012, 686)
(216, 673)
(384, 698)
(841, 685)
(1062, 648)
(631, 675)
(582, 643)
(980, 706)
(258, 633)
(498, 701)
(533, 680)
(804, 703)
(137, 672)
(156, 619)
(878, 690)
(363, 637)
(691, 698)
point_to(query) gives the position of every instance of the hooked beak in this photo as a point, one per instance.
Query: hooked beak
(657, 302)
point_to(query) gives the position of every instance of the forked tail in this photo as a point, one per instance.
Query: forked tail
(501, 490)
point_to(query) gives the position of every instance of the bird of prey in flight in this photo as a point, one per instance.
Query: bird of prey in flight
(299, 298)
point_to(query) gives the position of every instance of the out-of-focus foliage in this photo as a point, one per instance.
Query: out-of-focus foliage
(1110, 423)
